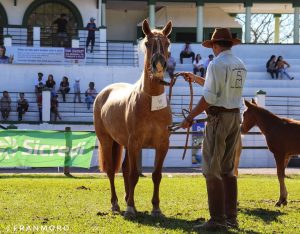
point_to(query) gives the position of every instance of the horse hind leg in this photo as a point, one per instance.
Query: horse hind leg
(281, 174)
(110, 155)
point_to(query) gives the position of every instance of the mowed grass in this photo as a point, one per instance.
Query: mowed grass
(83, 204)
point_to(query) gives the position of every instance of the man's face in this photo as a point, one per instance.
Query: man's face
(1, 51)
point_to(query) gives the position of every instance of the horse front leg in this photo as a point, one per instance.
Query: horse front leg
(125, 170)
(133, 177)
(160, 155)
(280, 162)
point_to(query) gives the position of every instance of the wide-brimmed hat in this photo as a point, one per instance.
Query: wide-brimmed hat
(221, 34)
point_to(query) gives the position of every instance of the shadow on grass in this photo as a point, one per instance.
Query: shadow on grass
(265, 215)
(48, 176)
(174, 223)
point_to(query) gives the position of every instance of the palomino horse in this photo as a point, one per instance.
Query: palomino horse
(282, 136)
(136, 116)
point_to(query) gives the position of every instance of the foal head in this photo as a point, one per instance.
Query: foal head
(157, 44)
(248, 116)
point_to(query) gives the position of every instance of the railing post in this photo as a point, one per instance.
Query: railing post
(75, 42)
(68, 137)
(46, 103)
(261, 98)
(103, 43)
(36, 36)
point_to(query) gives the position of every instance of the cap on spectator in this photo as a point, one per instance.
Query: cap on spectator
(77, 79)
(92, 19)
(40, 74)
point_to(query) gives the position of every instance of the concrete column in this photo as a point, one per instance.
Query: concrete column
(248, 23)
(199, 5)
(99, 20)
(261, 98)
(36, 36)
(277, 28)
(7, 41)
(103, 19)
(151, 4)
(296, 24)
(46, 100)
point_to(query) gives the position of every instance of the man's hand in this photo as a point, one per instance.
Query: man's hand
(188, 76)
(186, 123)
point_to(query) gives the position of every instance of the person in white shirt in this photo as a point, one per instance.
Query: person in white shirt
(207, 62)
(222, 94)
(198, 65)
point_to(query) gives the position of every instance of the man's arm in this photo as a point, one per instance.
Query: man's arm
(198, 109)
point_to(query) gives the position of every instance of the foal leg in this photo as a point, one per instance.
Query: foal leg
(125, 169)
(280, 174)
(133, 154)
(156, 178)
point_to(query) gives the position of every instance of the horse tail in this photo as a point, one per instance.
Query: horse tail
(117, 156)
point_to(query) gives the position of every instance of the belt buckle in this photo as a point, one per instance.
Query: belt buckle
(213, 110)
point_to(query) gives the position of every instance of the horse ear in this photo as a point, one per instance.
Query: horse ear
(167, 29)
(146, 27)
(253, 101)
(247, 103)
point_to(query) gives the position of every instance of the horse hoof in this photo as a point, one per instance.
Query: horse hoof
(281, 202)
(157, 213)
(130, 212)
(115, 208)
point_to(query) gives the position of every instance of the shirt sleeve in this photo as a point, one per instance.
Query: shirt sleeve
(210, 85)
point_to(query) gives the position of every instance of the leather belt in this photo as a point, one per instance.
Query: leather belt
(214, 110)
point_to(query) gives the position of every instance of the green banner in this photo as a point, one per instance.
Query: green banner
(46, 148)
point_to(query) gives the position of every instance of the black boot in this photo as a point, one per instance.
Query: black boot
(216, 206)
(230, 189)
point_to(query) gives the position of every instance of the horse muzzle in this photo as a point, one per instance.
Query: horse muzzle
(158, 65)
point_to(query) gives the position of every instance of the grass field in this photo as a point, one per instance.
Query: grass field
(82, 205)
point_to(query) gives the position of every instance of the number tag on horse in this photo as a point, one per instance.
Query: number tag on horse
(159, 102)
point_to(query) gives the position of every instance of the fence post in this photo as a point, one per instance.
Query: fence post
(36, 36)
(261, 98)
(68, 137)
(75, 42)
(46, 103)
(7, 40)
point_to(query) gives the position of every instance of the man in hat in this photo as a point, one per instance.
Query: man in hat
(39, 84)
(222, 94)
(91, 27)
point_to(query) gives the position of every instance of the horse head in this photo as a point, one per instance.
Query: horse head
(157, 44)
(248, 116)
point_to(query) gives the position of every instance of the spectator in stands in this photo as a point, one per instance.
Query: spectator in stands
(90, 94)
(187, 52)
(3, 58)
(281, 66)
(64, 87)
(40, 106)
(171, 64)
(208, 60)
(91, 27)
(54, 107)
(62, 36)
(198, 65)
(5, 102)
(76, 88)
(271, 67)
(50, 84)
(22, 106)
(39, 85)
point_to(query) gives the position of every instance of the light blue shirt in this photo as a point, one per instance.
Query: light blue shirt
(225, 79)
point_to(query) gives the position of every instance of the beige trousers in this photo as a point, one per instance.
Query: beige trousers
(220, 138)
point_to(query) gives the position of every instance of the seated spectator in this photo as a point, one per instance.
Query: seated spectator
(3, 58)
(22, 106)
(64, 87)
(171, 64)
(187, 52)
(198, 65)
(39, 85)
(208, 60)
(90, 94)
(50, 84)
(271, 68)
(76, 88)
(54, 107)
(5, 102)
(281, 66)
